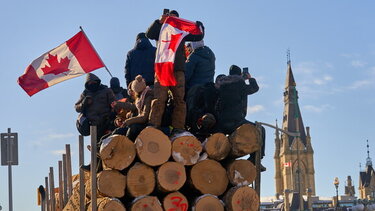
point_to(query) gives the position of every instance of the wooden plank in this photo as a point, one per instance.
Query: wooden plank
(69, 170)
(52, 189)
(48, 206)
(61, 194)
(93, 133)
(65, 180)
(81, 174)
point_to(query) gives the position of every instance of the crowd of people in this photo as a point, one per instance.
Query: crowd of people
(197, 103)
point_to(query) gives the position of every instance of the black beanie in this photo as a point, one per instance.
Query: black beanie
(234, 70)
(174, 12)
(140, 36)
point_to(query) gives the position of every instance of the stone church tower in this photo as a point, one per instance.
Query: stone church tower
(293, 155)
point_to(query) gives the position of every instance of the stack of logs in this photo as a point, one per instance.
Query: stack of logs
(179, 173)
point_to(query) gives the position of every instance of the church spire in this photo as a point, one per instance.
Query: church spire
(291, 107)
(368, 159)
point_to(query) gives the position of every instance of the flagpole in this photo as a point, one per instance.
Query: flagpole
(105, 66)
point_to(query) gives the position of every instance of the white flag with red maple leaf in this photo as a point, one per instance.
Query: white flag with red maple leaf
(71, 59)
(171, 34)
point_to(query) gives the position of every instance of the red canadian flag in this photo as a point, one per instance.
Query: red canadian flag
(171, 34)
(71, 59)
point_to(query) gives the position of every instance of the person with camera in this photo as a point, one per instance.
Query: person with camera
(178, 91)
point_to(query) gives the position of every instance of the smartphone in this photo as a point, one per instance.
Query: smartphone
(245, 72)
(165, 11)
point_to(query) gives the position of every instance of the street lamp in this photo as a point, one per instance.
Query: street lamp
(336, 183)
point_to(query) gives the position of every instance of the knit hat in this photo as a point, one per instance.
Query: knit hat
(174, 12)
(139, 84)
(234, 70)
(140, 36)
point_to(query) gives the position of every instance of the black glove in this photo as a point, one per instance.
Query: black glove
(200, 24)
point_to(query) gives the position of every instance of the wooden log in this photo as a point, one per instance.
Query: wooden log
(111, 183)
(146, 203)
(175, 201)
(209, 177)
(208, 202)
(108, 204)
(117, 152)
(241, 172)
(171, 176)
(241, 198)
(68, 172)
(217, 146)
(140, 180)
(75, 202)
(52, 189)
(65, 180)
(244, 140)
(60, 202)
(48, 204)
(186, 150)
(153, 147)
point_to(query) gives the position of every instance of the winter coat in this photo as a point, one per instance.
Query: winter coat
(179, 62)
(233, 92)
(200, 100)
(100, 110)
(200, 67)
(118, 91)
(140, 61)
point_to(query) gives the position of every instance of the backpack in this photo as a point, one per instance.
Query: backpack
(83, 125)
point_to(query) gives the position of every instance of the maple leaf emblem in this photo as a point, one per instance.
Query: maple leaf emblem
(173, 41)
(55, 67)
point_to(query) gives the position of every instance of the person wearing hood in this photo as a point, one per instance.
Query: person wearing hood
(95, 103)
(140, 109)
(140, 60)
(200, 65)
(118, 91)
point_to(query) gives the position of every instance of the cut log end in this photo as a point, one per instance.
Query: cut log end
(140, 180)
(111, 183)
(147, 203)
(108, 204)
(208, 203)
(244, 140)
(217, 146)
(241, 172)
(117, 152)
(186, 150)
(241, 198)
(175, 201)
(209, 177)
(171, 176)
(153, 147)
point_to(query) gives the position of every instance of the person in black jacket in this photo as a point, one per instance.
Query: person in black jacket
(200, 65)
(140, 61)
(117, 89)
(178, 91)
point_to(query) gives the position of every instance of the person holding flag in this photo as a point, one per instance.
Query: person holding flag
(171, 32)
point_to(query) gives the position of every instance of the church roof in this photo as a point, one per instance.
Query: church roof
(365, 176)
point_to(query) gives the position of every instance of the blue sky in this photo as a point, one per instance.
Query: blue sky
(332, 50)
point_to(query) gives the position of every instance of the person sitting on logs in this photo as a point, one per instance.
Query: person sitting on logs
(133, 124)
(232, 103)
(118, 91)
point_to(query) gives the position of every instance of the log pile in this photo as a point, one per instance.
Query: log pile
(159, 173)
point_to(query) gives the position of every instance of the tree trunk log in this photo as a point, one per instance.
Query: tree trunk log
(217, 146)
(153, 146)
(171, 176)
(175, 201)
(244, 140)
(117, 152)
(108, 204)
(208, 202)
(186, 150)
(111, 183)
(140, 180)
(209, 177)
(74, 201)
(146, 203)
(241, 172)
(241, 198)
